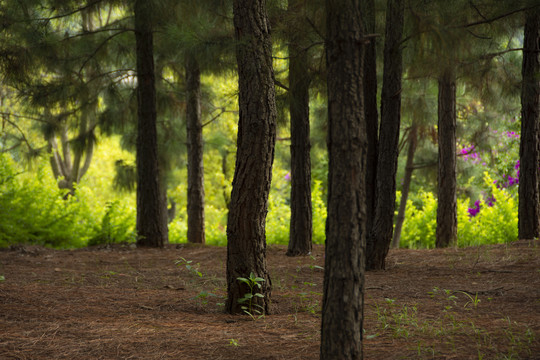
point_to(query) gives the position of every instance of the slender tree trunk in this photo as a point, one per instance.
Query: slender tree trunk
(529, 151)
(246, 246)
(372, 116)
(343, 291)
(409, 168)
(447, 202)
(301, 212)
(195, 198)
(380, 237)
(151, 227)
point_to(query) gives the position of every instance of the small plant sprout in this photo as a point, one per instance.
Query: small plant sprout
(2, 278)
(474, 300)
(193, 269)
(233, 342)
(250, 306)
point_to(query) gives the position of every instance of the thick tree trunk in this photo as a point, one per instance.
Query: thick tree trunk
(370, 110)
(409, 168)
(151, 211)
(343, 292)
(301, 211)
(380, 236)
(447, 202)
(246, 246)
(529, 151)
(195, 198)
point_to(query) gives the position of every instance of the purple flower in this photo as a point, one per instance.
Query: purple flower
(288, 176)
(475, 210)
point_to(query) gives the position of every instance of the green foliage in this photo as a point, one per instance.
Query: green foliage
(493, 225)
(33, 210)
(250, 307)
(117, 225)
(188, 264)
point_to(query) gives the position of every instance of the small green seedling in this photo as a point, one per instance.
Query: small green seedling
(250, 307)
(2, 278)
(233, 342)
(193, 269)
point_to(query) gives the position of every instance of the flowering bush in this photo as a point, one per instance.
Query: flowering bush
(496, 223)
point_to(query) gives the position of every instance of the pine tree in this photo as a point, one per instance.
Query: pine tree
(151, 210)
(246, 242)
(529, 172)
(343, 301)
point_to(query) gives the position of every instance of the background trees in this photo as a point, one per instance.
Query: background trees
(68, 88)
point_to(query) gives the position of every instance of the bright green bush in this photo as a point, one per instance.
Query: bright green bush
(33, 209)
(492, 225)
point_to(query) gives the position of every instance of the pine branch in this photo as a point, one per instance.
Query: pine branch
(87, 6)
(488, 21)
(223, 111)
(99, 48)
(23, 136)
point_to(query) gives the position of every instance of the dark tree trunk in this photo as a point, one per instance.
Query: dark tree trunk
(409, 168)
(246, 246)
(380, 236)
(370, 110)
(151, 219)
(529, 151)
(447, 202)
(343, 292)
(195, 198)
(301, 211)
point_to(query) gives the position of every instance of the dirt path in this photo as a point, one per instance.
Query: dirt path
(125, 303)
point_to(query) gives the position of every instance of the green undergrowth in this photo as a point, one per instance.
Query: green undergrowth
(34, 211)
(435, 335)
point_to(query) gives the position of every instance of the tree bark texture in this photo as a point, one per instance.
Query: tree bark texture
(151, 210)
(343, 290)
(371, 113)
(300, 236)
(409, 168)
(195, 198)
(446, 234)
(246, 247)
(529, 151)
(380, 236)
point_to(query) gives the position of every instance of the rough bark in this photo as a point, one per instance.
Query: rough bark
(371, 113)
(195, 198)
(380, 236)
(301, 211)
(246, 247)
(529, 151)
(343, 290)
(446, 234)
(151, 209)
(409, 168)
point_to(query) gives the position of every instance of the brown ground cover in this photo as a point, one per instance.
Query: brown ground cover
(124, 303)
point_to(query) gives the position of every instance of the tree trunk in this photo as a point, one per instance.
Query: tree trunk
(409, 168)
(151, 227)
(301, 212)
(370, 110)
(529, 151)
(195, 198)
(380, 237)
(343, 291)
(447, 202)
(246, 240)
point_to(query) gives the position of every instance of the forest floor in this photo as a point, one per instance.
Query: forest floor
(124, 303)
